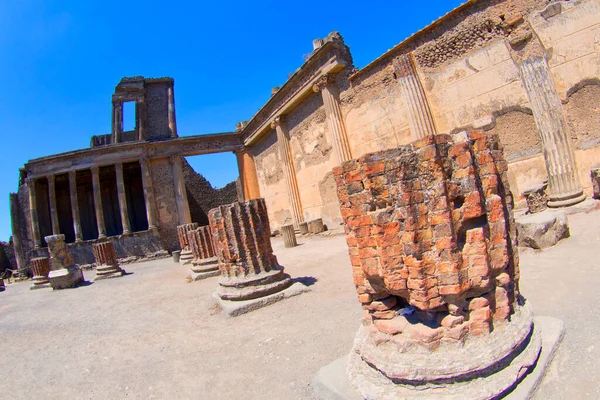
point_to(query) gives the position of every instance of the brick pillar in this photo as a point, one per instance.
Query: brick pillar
(122, 199)
(40, 267)
(148, 194)
(182, 231)
(52, 201)
(432, 244)
(33, 214)
(335, 119)
(75, 206)
(283, 142)
(242, 240)
(420, 117)
(98, 202)
(107, 265)
(204, 263)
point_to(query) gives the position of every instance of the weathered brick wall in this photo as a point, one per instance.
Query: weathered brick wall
(430, 225)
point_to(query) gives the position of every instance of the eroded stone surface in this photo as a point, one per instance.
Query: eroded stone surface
(107, 265)
(63, 271)
(542, 230)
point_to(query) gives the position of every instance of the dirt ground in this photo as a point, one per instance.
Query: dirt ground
(151, 334)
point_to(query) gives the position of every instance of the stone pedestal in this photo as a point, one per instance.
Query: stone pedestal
(182, 231)
(289, 236)
(40, 267)
(595, 173)
(436, 270)
(251, 277)
(303, 228)
(316, 226)
(63, 271)
(106, 261)
(204, 262)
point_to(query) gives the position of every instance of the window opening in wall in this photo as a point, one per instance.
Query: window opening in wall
(128, 116)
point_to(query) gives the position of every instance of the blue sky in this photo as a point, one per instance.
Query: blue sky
(60, 61)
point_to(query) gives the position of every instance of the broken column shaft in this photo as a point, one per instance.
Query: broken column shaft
(107, 265)
(182, 231)
(204, 262)
(40, 267)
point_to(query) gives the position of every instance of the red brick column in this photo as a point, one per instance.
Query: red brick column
(242, 240)
(432, 243)
(200, 242)
(107, 265)
(40, 267)
(182, 235)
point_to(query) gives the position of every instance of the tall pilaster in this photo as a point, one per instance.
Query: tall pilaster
(148, 193)
(335, 119)
(117, 122)
(122, 199)
(420, 117)
(183, 208)
(52, 201)
(75, 206)
(285, 152)
(140, 112)
(16, 221)
(247, 171)
(98, 202)
(564, 186)
(35, 225)
(172, 119)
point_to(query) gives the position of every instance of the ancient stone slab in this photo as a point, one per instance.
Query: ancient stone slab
(303, 227)
(64, 273)
(40, 267)
(432, 243)
(249, 269)
(542, 230)
(107, 265)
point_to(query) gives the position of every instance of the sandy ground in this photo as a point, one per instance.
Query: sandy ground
(151, 334)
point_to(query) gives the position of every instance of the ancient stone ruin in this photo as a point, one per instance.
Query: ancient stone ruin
(432, 243)
(182, 234)
(204, 262)
(64, 273)
(251, 277)
(40, 267)
(107, 265)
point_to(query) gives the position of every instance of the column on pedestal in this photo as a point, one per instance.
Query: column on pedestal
(172, 120)
(283, 142)
(122, 199)
(98, 202)
(52, 201)
(40, 267)
(335, 119)
(148, 193)
(564, 186)
(183, 208)
(75, 206)
(35, 225)
(117, 121)
(107, 265)
(204, 262)
(182, 234)
(247, 171)
(418, 112)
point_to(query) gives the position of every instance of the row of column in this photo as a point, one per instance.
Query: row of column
(148, 198)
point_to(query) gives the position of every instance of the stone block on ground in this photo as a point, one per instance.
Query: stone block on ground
(316, 225)
(64, 273)
(303, 228)
(542, 230)
(596, 182)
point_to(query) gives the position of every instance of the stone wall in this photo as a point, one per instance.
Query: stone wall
(166, 207)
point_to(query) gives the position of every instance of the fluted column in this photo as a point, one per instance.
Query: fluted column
(335, 119)
(52, 201)
(75, 206)
(122, 199)
(148, 193)
(35, 226)
(183, 208)
(420, 117)
(564, 186)
(117, 122)
(283, 143)
(172, 119)
(98, 202)
(247, 171)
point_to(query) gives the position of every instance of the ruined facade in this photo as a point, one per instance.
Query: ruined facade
(522, 69)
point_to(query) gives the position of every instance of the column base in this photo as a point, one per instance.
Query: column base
(186, 257)
(79, 240)
(40, 282)
(65, 278)
(101, 236)
(126, 233)
(204, 265)
(198, 276)
(108, 271)
(253, 286)
(566, 200)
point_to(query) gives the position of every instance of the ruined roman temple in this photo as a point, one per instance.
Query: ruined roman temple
(525, 71)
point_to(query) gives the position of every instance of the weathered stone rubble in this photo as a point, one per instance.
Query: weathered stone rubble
(543, 229)
(64, 273)
(432, 243)
(107, 265)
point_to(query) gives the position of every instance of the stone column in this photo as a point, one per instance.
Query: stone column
(16, 223)
(107, 265)
(122, 199)
(40, 267)
(249, 269)
(204, 263)
(75, 206)
(35, 225)
(98, 202)
(182, 234)
(140, 111)
(52, 201)
(420, 118)
(148, 193)
(117, 121)
(247, 171)
(283, 142)
(64, 273)
(564, 186)
(335, 119)
(289, 236)
(183, 208)
(172, 120)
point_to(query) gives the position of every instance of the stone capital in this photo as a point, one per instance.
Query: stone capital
(30, 182)
(325, 80)
(277, 121)
(175, 159)
(404, 65)
(95, 169)
(119, 166)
